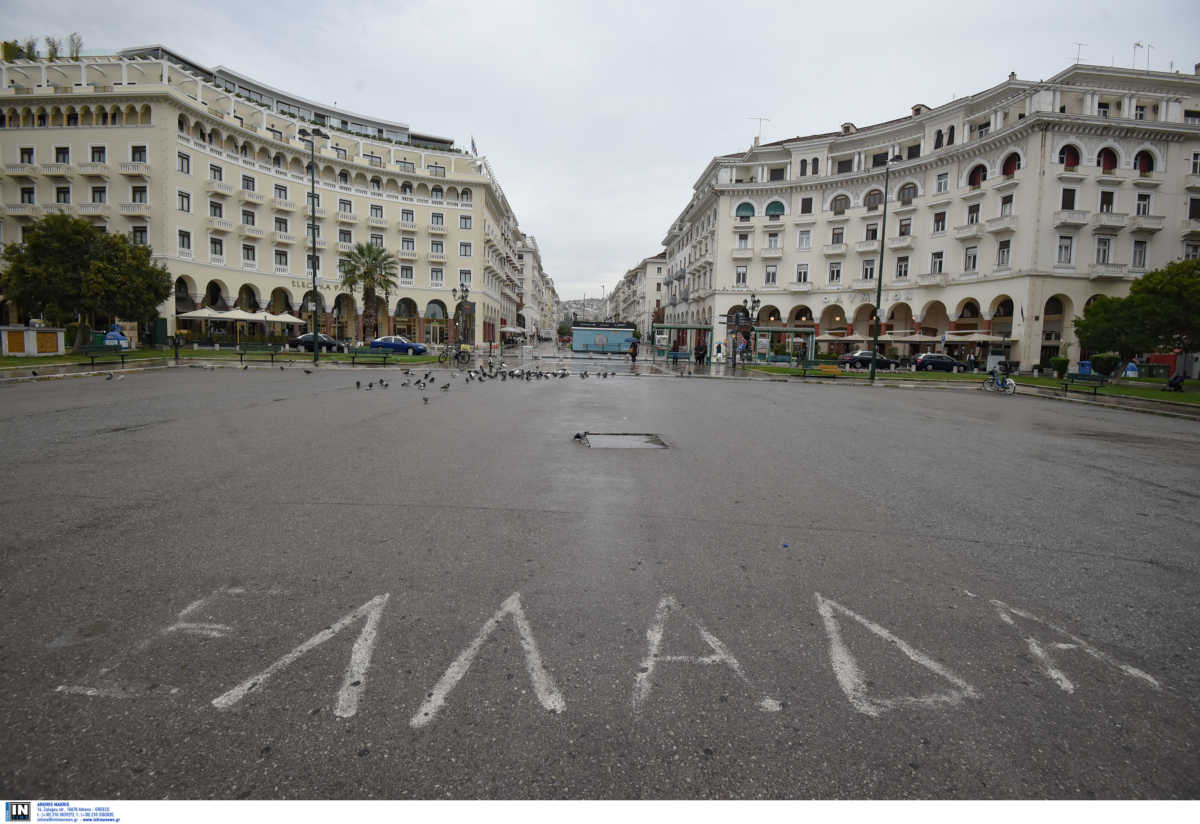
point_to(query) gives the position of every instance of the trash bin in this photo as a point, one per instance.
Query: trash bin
(1085, 367)
(98, 338)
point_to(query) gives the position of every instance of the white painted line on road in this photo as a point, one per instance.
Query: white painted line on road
(1046, 662)
(543, 685)
(360, 659)
(644, 682)
(854, 685)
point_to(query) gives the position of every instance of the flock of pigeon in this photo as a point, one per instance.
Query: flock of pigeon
(480, 375)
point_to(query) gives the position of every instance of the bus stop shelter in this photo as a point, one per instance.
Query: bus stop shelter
(683, 335)
(800, 341)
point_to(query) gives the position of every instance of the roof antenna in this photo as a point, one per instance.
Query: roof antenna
(760, 120)
(1149, 48)
(1078, 49)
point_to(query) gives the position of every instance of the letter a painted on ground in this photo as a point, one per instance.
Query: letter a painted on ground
(355, 680)
(1041, 651)
(543, 685)
(720, 655)
(850, 677)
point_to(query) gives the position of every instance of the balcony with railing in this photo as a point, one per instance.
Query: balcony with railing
(1071, 217)
(867, 246)
(217, 224)
(94, 169)
(1146, 223)
(1098, 271)
(968, 231)
(183, 254)
(932, 279)
(135, 168)
(283, 237)
(21, 169)
(93, 209)
(1110, 221)
(437, 257)
(833, 249)
(135, 209)
(1189, 228)
(346, 217)
(216, 187)
(280, 269)
(251, 197)
(380, 222)
(58, 169)
(742, 253)
(437, 228)
(246, 230)
(900, 242)
(282, 205)
(408, 226)
(406, 254)
(58, 209)
(1004, 223)
(20, 209)
(771, 252)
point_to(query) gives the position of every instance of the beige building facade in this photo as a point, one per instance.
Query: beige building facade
(1007, 211)
(639, 294)
(209, 168)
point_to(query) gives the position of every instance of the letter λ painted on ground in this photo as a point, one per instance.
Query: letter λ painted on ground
(720, 655)
(850, 677)
(1045, 661)
(543, 685)
(355, 680)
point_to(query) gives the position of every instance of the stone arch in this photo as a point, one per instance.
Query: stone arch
(144, 115)
(296, 166)
(769, 314)
(217, 295)
(359, 180)
(864, 319)
(422, 190)
(1108, 157)
(322, 304)
(934, 319)
(184, 288)
(908, 190)
(130, 115)
(248, 298)
(86, 116)
(391, 187)
(281, 301)
(263, 155)
(833, 317)
(977, 175)
(967, 308)
(406, 188)
(800, 313)
(465, 196)
(451, 193)
(839, 201)
(375, 184)
(436, 194)
(328, 175)
(215, 137)
(1146, 160)
(278, 161)
(998, 304)
(231, 145)
(899, 317)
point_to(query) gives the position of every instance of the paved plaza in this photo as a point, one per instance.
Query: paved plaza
(265, 583)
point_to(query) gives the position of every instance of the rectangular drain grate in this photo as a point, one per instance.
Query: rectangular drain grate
(623, 440)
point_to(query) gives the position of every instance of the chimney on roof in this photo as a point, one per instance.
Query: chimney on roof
(1198, 68)
(919, 109)
(756, 140)
(1012, 75)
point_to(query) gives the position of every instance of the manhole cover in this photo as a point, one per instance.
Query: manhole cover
(623, 440)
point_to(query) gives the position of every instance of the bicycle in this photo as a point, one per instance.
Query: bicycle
(1006, 386)
(459, 355)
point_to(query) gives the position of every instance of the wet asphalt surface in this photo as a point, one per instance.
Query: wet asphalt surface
(853, 592)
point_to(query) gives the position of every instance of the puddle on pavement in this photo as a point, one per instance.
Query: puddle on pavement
(623, 440)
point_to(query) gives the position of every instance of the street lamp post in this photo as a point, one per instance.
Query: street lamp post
(462, 315)
(887, 171)
(750, 309)
(310, 137)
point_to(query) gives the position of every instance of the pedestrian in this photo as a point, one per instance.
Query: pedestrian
(633, 350)
(699, 353)
(971, 361)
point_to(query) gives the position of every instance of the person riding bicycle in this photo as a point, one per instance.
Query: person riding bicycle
(999, 373)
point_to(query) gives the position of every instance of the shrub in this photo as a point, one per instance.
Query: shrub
(1105, 363)
(779, 349)
(1059, 365)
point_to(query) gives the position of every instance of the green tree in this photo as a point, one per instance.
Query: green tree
(53, 48)
(65, 268)
(564, 329)
(1116, 325)
(1170, 298)
(11, 50)
(372, 269)
(30, 48)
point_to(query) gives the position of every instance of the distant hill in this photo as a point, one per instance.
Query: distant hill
(586, 308)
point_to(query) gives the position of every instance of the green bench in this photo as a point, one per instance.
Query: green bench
(94, 350)
(779, 359)
(1083, 382)
(676, 357)
(269, 349)
(380, 355)
(825, 369)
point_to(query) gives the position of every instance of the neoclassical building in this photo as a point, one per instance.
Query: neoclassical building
(639, 294)
(1006, 212)
(211, 170)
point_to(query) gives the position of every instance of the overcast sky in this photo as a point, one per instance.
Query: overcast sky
(598, 116)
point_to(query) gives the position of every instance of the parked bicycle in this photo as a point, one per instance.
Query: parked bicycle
(997, 382)
(452, 352)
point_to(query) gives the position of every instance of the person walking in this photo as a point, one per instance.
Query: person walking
(699, 353)
(971, 361)
(633, 351)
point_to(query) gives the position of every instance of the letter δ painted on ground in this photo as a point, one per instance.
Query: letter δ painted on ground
(355, 680)
(644, 682)
(543, 685)
(1041, 651)
(850, 677)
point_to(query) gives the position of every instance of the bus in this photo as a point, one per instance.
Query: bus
(601, 336)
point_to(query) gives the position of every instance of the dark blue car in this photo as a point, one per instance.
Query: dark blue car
(399, 344)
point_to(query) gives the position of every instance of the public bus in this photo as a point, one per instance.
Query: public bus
(601, 336)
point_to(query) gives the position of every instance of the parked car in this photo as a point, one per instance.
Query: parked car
(861, 359)
(328, 344)
(400, 344)
(930, 361)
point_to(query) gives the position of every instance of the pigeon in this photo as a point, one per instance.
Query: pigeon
(578, 436)
(368, 387)
(34, 372)
(120, 377)
(431, 381)
(358, 384)
(245, 366)
(371, 385)
(426, 399)
(110, 376)
(382, 384)
(308, 371)
(408, 371)
(281, 369)
(404, 383)
(445, 387)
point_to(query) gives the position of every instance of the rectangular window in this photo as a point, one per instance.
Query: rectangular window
(743, 241)
(1191, 251)
(185, 240)
(215, 209)
(835, 271)
(879, 159)
(216, 247)
(345, 207)
(972, 214)
(249, 253)
(739, 276)
(464, 221)
(376, 210)
(137, 154)
(248, 183)
(437, 219)
(868, 269)
(943, 182)
(313, 230)
(971, 259)
(183, 163)
(62, 154)
(806, 203)
(313, 263)
(939, 222)
(377, 240)
(247, 217)
(838, 235)
(1143, 203)
(772, 240)
(437, 276)
(215, 172)
(902, 267)
(1139, 254)
(406, 274)
(464, 276)
(804, 239)
(1139, 112)
(769, 276)
(281, 258)
(872, 232)
(344, 236)
(1107, 200)
(845, 167)
(1103, 249)
(914, 151)
(801, 273)
(26, 155)
(138, 194)
(1196, 163)
(281, 192)
(777, 174)
(464, 250)
(62, 194)
(935, 263)
(1002, 252)
(408, 244)
(1066, 246)
(436, 247)
(281, 224)
(138, 236)
(406, 216)
(99, 194)
(1006, 205)
(1068, 199)
(99, 153)
(905, 226)
(184, 202)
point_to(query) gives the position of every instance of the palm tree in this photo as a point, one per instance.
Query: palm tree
(372, 268)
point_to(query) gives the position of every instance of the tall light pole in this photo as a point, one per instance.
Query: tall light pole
(310, 137)
(750, 306)
(887, 172)
(462, 315)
